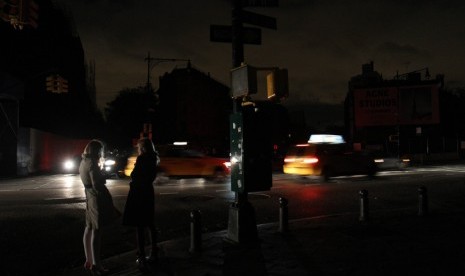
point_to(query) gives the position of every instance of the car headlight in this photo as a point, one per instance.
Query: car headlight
(69, 165)
(110, 162)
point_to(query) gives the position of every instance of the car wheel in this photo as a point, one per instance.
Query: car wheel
(219, 176)
(372, 171)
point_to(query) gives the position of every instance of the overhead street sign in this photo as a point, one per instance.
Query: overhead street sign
(223, 33)
(260, 3)
(258, 19)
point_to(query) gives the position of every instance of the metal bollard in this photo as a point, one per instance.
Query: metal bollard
(283, 215)
(364, 210)
(422, 201)
(196, 231)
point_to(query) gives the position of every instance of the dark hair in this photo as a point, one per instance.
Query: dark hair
(94, 149)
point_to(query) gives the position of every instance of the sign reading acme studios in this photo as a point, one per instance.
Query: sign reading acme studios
(409, 105)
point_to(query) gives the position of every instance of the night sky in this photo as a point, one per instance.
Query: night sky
(323, 43)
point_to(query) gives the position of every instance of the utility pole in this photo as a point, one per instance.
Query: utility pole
(152, 62)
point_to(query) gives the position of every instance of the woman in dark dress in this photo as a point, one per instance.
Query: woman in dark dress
(139, 210)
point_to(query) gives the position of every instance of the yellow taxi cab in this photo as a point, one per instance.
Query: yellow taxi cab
(180, 162)
(327, 156)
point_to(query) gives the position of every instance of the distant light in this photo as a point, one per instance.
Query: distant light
(326, 138)
(379, 160)
(234, 160)
(109, 162)
(301, 145)
(180, 143)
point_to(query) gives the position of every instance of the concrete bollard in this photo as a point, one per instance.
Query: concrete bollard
(283, 215)
(196, 232)
(364, 209)
(422, 201)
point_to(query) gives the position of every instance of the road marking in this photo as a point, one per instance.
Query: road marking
(175, 193)
(221, 191)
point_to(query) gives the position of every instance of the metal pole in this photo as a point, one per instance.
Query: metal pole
(196, 232)
(364, 210)
(283, 215)
(237, 36)
(422, 201)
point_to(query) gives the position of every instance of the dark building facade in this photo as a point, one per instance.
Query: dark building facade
(34, 56)
(195, 108)
(404, 116)
(43, 81)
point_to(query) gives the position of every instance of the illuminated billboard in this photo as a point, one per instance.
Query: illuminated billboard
(404, 105)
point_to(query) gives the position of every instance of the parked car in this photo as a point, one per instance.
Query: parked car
(112, 165)
(179, 162)
(327, 158)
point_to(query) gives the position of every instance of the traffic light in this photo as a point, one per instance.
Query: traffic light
(50, 83)
(277, 86)
(243, 81)
(19, 12)
(9, 10)
(30, 13)
(56, 84)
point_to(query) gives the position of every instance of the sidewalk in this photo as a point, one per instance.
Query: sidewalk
(391, 243)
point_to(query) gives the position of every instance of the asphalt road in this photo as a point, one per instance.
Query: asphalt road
(42, 217)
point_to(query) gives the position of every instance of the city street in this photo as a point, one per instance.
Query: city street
(42, 217)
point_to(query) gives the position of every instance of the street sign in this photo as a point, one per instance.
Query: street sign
(223, 33)
(260, 3)
(258, 19)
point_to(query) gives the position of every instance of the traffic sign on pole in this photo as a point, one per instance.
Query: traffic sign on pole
(258, 20)
(260, 3)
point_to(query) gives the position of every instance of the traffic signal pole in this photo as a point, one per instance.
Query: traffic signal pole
(237, 35)
(242, 227)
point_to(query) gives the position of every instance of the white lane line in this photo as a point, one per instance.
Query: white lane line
(174, 193)
(222, 191)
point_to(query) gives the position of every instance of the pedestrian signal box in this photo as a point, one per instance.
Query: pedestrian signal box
(277, 84)
(243, 81)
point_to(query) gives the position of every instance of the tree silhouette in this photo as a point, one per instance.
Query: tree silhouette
(127, 113)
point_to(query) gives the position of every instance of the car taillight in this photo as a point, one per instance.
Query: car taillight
(310, 160)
